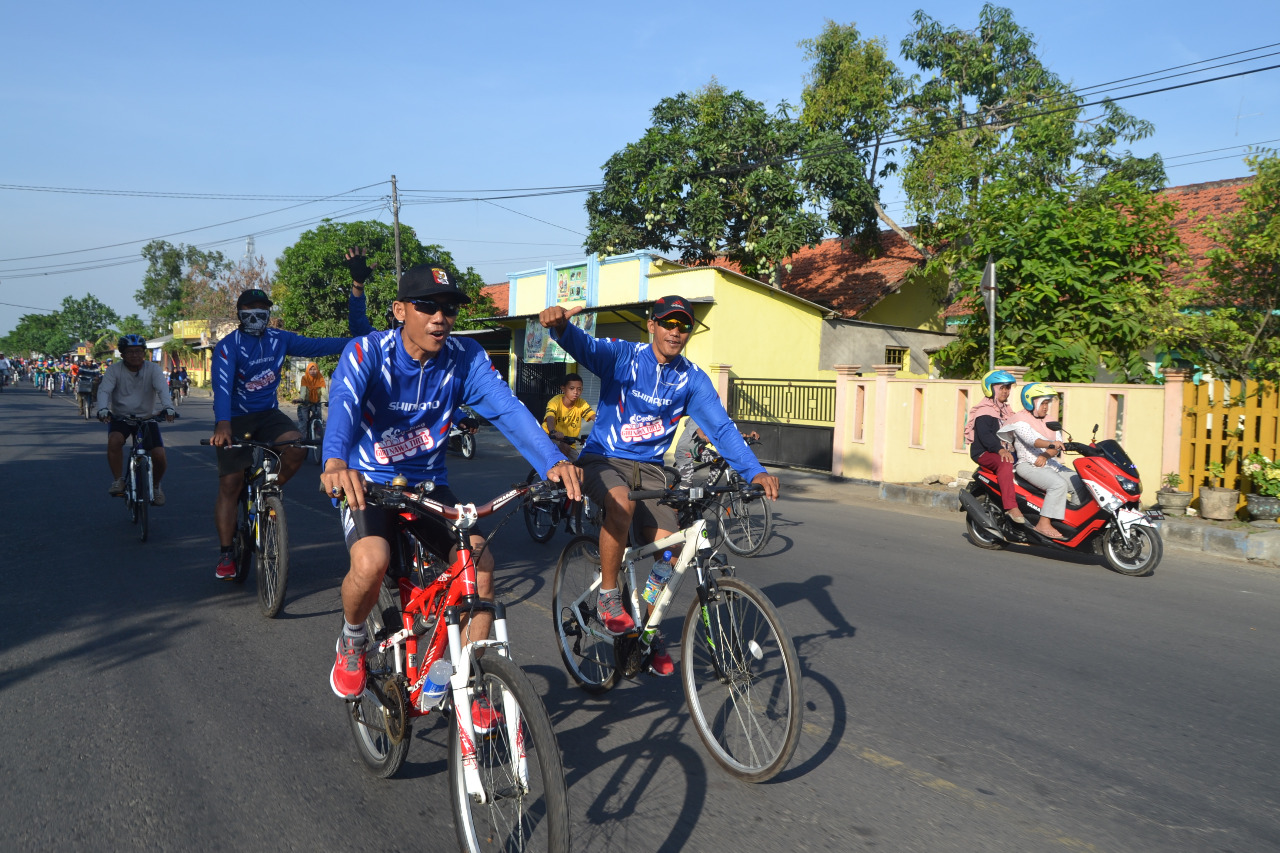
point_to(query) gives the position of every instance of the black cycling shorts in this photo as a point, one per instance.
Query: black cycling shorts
(150, 437)
(433, 532)
(260, 426)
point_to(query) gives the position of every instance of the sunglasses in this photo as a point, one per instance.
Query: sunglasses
(677, 325)
(430, 306)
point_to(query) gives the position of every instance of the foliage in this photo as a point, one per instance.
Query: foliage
(1172, 480)
(1076, 280)
(87, 318)
(1227, 320)
(211, 294)
(695, 183)
(38, 333)
(1262, 473)
(312, 283)
(164, 284)
(132, 325)
(850, 111)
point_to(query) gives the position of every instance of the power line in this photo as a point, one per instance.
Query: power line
(32, 307)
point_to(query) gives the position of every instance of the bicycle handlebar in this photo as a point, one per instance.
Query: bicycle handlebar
(130, 419)
(400, 498)
(265, 445)
(693, 493)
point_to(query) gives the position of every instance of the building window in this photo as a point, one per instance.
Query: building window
(896, 355)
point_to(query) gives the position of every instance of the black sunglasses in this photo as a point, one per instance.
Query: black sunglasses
(430, 306)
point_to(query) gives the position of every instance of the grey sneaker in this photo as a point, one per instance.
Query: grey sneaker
(157, 495)
(117, 487)
(615, 618)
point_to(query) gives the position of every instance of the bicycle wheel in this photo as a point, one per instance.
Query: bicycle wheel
(742, 681)
(242, 542)
(382, 753)
(585, 647)
(526, 806)
(142, 495)
(468, 445)
(539, 518)
(747, 523)
(315, 432)
(273, 558)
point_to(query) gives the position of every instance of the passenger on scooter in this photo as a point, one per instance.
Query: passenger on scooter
(985, 446)
(1037, 448)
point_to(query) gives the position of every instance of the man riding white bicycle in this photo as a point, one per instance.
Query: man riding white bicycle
(644, 390)
(392, 399)
(134, 388)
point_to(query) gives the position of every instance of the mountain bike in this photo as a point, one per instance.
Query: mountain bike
(261, 539)
(738, 665)
(139, 487)
(541, 517)
(506, 784)
(462, 441)
(745, 521)
(311, 425)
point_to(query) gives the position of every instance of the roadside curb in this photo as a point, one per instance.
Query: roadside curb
(1257, 546)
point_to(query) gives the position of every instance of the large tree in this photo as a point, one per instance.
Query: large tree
(712, 177)
(211, 294)
(87, 318)
(1227, 319)
(36, 333)
(312, 283)
(163, 288)
(1076, 277)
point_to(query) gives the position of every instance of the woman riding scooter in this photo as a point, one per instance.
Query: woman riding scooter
(985, 446)
(1037, 448)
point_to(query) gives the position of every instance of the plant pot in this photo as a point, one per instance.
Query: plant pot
(1263, 507)
(1173, 502)
(1218, 504)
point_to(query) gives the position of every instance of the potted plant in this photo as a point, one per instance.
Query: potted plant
(1172, 500)
(1264, 475)
(1218, 504)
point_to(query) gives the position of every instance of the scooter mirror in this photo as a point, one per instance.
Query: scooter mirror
(1054, 425)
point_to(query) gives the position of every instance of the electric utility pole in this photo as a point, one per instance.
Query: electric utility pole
(395, 216)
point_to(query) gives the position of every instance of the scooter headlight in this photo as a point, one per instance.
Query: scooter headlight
(1132, 487)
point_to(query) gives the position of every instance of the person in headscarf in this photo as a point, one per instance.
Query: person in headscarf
(986, 447)
(1037, 449)
(311, 393)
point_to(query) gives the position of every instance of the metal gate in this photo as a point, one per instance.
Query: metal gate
(537, 383)
(795, 419)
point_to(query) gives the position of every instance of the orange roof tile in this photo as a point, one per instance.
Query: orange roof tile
(1194, 201)
(499, 293)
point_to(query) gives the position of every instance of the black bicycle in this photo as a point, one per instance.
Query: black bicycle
(311, 423)
(542, 517)
(261, 538)
(746, 519)
(139, 485)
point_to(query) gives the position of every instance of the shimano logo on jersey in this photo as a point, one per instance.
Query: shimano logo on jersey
(653, 401)
(397, 406)
(262, 380)
(253, 321)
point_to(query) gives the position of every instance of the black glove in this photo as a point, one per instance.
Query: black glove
(359, 267)
(469, 424)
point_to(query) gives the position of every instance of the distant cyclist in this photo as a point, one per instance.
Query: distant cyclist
(247, 367)
(136, 388)
(565, 413)
(312, 390)
(6, 370)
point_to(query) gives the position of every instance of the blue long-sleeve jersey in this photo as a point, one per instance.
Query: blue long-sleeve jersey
(389, 414)
(247, 368)
(642, 401)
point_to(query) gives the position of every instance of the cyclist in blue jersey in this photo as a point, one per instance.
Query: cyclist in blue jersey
(392, 400)
(247, 367)
(645, 389)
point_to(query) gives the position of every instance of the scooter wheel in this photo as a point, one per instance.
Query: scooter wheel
(977, 534)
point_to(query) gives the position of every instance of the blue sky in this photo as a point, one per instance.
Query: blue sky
(322, 98)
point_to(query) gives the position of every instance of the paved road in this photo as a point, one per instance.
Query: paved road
(956, 700)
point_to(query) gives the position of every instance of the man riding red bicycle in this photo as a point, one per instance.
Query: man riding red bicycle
(393, 397)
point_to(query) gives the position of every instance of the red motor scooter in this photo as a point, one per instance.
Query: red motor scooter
(1107, 520)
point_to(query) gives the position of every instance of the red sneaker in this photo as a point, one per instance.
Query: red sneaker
(226, 568)
(349, 672)
(484, 717)
(661, 663)
(614, 616)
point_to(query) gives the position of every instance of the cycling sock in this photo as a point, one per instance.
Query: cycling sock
(355, 632)
(605, 593)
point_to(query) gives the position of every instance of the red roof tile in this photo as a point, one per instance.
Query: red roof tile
(1215, 198)
(499, 294)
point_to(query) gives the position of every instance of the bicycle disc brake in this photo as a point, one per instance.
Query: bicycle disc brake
(630, 654)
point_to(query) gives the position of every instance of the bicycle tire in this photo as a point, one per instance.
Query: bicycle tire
(749, 720)
(131, 490)
(585, 647)
(142, 496)
(467, 445)
(382, 755)
(539, 519)
(242, 539)
(273, 558)
(746, 523)
(315, 432)
(520, 814)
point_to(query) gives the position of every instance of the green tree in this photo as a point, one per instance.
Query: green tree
(211, 294)
(163, 288)
(86, 319)
(312, 283)
(1077, 279)
(694, 184)
(1227, 321)
(38, 333)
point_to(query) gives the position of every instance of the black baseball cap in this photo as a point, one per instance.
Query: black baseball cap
(422, 282)
(250, 297)
(665, 306)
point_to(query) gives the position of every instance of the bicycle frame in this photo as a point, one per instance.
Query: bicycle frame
(452, 593)
(136, 454)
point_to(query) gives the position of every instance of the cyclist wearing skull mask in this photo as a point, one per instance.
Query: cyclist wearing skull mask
(247, 366)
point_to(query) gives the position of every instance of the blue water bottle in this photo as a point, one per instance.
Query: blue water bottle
(658, 578)
(436, 685)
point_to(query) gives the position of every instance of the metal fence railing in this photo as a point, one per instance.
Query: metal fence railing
(788, 401)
